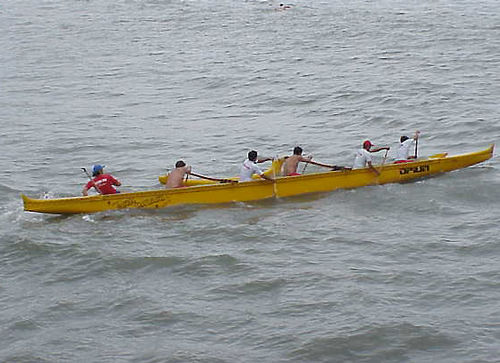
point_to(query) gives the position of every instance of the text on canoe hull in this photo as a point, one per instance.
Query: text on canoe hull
(415, 169)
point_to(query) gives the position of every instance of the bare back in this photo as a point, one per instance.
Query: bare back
(292, 163)
(176, 177)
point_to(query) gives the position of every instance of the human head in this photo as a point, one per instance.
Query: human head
(180, 164)
(297, 150)
(404, 138)
(97, 169)
(367, 145)
(252, 155)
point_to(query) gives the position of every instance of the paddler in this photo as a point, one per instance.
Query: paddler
(283, 7)
(404, 148)
(291, 163)
(176, 177)
(249, 167)
(363, 157)
(103, 183)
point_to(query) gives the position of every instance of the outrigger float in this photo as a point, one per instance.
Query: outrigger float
(210, 192)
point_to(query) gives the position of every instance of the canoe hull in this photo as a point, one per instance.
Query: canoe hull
(389, 173)
(260, 189)
(154, 199)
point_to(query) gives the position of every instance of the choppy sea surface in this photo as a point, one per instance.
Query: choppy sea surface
(392, 273)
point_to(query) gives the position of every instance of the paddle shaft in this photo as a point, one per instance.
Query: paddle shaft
(321, 164)
(385, 157)
(333, 167)
(213, 179)
(275, 187)
(90, 178)
(305, 166)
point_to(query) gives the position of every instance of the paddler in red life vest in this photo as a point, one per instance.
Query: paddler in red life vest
(103, 183)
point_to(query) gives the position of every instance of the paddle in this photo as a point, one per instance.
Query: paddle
(323, 165)
(275, 186)
(213, 179)
(381, 165)
(332, 167)
(417, 133)
(336, 168)
(305, 166)
(90, 178)
(385, 157)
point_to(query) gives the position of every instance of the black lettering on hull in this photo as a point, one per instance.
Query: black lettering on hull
(415, 169)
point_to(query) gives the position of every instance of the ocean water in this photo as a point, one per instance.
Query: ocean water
(391, 273)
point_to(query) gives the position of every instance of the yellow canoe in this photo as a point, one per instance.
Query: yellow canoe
(260, 189)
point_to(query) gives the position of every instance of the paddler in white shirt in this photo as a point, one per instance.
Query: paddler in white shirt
(404, 148)
(249, 167)
(363, 157)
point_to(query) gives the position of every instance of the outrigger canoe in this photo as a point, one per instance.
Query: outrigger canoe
(260, 189)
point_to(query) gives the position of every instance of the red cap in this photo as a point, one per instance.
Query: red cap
(367, 143)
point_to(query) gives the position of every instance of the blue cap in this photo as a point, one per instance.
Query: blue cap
(96, 168)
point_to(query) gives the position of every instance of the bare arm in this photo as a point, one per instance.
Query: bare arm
(379, 149)
(263, 160)
(321, 164)
(85, 191)
(264, 176)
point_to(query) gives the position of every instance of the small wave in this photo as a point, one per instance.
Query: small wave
(146, 262)
(25, 325)
(212, 265)
(5, 189)
(154, 317)
(249, 288)
(20, 358)
(26, 249)
(92, 264)
(387, 343)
